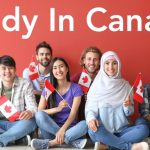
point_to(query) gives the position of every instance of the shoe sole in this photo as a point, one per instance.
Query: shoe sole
(84, 144)
(32, 145)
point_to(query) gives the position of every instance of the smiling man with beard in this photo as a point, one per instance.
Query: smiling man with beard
(90, 59)
(44, 57)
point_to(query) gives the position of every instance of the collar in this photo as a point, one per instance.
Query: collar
(46, 75)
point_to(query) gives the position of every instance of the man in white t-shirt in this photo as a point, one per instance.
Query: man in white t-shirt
(44, 57)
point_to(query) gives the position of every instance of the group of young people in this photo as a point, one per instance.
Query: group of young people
(69, 113)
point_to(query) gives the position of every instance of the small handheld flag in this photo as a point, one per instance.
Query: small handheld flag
(85, 81)
(33, 73)
(138, 95)
(49, 89)
(8, 109)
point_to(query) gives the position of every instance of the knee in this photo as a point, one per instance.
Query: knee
(40, 117)
(146, 129)
(140, 121)
(83, 126)
(143, 130)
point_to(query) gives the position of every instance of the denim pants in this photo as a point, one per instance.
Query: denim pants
(11, 131)
(49, 128)
(122, 140)
(143, 121)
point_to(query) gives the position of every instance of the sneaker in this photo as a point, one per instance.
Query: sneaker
(97, 146)
(140, 146)
(80, 143)
(26, 141)
(37, 144)
(100, 146)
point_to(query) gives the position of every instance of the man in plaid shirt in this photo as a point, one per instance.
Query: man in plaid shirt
(20, 92)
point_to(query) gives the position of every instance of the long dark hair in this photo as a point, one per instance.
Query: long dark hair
(53, 80)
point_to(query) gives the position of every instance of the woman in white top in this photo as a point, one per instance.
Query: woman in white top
(108, 107)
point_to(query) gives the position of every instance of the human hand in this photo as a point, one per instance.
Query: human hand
(62, 105)
(93, 124)
(127, 102)
(25, 115)
(147, 118)
(60, 136)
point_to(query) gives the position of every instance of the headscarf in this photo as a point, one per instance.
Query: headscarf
(108, 91)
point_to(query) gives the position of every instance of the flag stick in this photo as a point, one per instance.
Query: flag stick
(61, 97)
(130, 91)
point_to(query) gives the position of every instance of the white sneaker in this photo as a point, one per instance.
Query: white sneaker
(97, 146)
(100, 146)
(28, 139)
(80, 143)
(140, 146)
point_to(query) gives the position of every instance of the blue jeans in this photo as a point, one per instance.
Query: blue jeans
(122, 140)
(12, 131)
(49, 128)
(143, 121)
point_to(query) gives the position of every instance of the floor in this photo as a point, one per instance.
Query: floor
(89, 146)
(29, 148)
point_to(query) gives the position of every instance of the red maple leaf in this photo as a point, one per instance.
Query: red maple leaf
(141, 89)
(85, 79)
(31, 68)
(8, 109)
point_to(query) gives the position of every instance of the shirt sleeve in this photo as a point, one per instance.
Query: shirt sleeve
(91, 106)
(130, 109)
(25, 74)
(30, 101)
(77, 91)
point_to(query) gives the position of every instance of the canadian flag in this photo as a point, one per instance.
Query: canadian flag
(49, 89)
(138, 95)
(33, 73)
(85, 80)
(8, 109)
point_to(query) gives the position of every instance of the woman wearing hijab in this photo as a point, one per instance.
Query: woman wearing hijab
(109, 104)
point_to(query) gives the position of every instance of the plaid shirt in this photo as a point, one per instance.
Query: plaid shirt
(144, 108)
(22, 95)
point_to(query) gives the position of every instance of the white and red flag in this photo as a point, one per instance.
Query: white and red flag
(49, 89)
(138, 95)
(85, 80)
(8, 109)
(33, 73)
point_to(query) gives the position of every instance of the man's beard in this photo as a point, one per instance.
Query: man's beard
(44, 64)
(91, 71)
